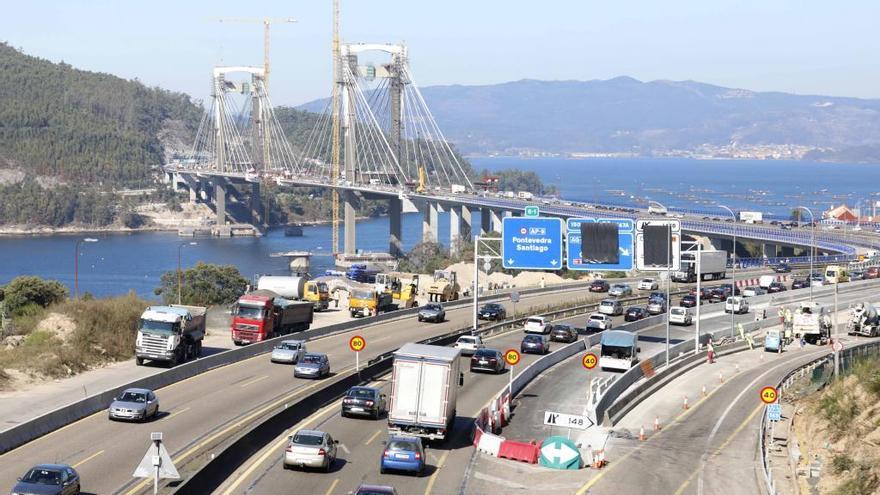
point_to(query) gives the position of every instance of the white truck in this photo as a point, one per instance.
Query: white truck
(751, 217)
(424, 387)
(863, 320)
(713, 266)
(458, 189)
(525, 195)
(812, 322)
(619, 350)
(764, 281)
(172, 334)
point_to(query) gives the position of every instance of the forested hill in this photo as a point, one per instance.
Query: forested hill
(84, 126)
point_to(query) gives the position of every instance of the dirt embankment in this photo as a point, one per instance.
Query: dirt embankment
(838, 430)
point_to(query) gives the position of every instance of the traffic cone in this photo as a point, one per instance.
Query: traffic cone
(737, 367)
(656, 423)
(720, 377)
(685, 405)
(704, 390)
(642, 436)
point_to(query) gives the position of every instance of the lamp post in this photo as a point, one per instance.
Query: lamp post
(179, 284)
(76, 264)
(812, 245)
(733, 276)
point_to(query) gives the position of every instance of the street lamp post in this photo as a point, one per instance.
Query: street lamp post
(76, 264)
(812, 245)
(179, 283)
(733, 276)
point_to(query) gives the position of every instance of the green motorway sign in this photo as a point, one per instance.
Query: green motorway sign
(532, 211)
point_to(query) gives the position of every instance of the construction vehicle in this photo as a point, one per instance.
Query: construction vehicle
(264, 314)
(836, 274)
(367, 301)
(297, 289)
(172, 334)
(864, 320)
(403, 287)
(444, 287)
(361, 272)
(812, 322)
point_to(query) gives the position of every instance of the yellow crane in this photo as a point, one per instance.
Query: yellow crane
(266, 22)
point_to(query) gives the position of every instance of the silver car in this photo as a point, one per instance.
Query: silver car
(310, 448)
(136, 404)
(620, 290)
(288, 351)
(312, 366)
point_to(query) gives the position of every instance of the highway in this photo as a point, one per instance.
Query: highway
(198, 414)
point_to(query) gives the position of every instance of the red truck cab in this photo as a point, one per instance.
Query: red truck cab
(252, 319)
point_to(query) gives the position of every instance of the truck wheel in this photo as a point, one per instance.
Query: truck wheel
(139, 361)
(199, 349)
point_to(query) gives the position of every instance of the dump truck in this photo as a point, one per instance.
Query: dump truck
(863, 320)
(713, 266)
(812, 322)
(444, 287)
(367, 301)
(297, 289)
(172, 334)
(425, 380)
(264, 314)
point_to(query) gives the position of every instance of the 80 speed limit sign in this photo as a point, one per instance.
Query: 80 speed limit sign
(512, 357)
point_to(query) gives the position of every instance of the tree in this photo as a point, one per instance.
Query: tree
(797, 215)
(203, 285)
(24, 293)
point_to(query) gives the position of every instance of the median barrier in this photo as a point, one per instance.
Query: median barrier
(490, 443)
(518, 451)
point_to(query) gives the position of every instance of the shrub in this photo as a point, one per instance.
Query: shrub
(841, 463)
(25, 291)
(838, 406)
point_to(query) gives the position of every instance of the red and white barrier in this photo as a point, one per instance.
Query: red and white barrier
(490, 444)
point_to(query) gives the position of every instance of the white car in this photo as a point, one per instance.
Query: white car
(469, 344)
(619, 290)
(680, 316)
(736, 305)
(753, 291)
(288, 351)
(648, 284)
(598, 321)
(537, 324)
(611, 307)
(310, 448)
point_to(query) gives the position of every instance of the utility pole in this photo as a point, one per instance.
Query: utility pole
(335, 151)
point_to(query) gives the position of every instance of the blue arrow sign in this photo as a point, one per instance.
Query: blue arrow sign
(774, 412)
(600, 252)
(531, 243)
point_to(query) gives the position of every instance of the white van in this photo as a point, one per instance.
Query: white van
(680, 316)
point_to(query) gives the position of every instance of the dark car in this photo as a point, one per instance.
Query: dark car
(872, 272)
(366, 401)
(563, 333)
(706, 293)
(775, 287)
(635, 313)
(49, 479)
(720, 294)
(492, 311)
(488, 360)
(375, 490)
(782, 268)
(599, 286)
(856, 275)
(800, 283)
(535, 343)
(690, 301)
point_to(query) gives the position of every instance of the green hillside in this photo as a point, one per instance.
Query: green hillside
(83, 126)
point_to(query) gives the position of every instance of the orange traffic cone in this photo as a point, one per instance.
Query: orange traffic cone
(656, 423)
(642, 436)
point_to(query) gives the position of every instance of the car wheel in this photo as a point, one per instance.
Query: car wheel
(420, 318)
(329, 465)
(382, 470)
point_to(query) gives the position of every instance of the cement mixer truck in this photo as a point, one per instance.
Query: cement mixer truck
(297, 289)
(812, 321)
(863, 320)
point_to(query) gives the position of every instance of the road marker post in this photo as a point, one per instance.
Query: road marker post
(704, 390)
(656, 423)
(720, 377)
(642, 436)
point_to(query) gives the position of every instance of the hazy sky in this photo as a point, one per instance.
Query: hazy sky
(802, 46)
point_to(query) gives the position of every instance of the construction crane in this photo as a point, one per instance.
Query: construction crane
(335, 152)
(266, 22)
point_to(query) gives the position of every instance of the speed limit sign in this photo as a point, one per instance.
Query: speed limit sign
(769, 395)
(590, 361)
(357, 343)
(512, 357)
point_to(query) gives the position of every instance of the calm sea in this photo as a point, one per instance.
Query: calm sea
(122, 262)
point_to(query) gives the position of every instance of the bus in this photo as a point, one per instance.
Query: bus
(619, 350)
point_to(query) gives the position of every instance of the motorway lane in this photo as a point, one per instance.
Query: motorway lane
(224, 400)
(361, 442)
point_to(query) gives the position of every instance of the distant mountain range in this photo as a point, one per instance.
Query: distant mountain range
(627, 116)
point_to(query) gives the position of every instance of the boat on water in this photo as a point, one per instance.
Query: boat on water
(293, 231)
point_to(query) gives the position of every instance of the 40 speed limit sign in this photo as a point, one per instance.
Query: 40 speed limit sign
(769, 395)
(589, 360)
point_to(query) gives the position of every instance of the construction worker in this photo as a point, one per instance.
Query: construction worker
(710, 352)
(781, 314)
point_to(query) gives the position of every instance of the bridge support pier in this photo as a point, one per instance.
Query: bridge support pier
(496, 220)
(485, 221)
(454, 229)
(395, 211)
(349, 201)
(220, 200)
(429, 222)
(769, 250)
(256, 204)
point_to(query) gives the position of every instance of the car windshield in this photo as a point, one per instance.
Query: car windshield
(597, 317)
(307, 439)
(157, 326)
(361, 393)
(402, 445)
(43, 477)
(433, 307)
(312, 358)
(648, 280)
(133, 397)
(467, 340)
(616, 352)
(371, 491)
(561, 328)
(678, 311)
(607, 303)
(249, 312)
(485, 353)
(361, 294)
(492, 306)
(289, 347)
(535, 321)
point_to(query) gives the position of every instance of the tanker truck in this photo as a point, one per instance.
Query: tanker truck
(863, 320)
(264, 314)
(297, 289)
